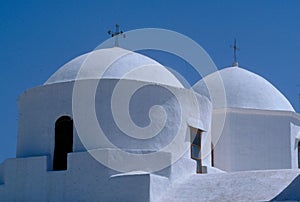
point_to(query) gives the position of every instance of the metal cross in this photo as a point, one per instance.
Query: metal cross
(235, 48)
(116, 34)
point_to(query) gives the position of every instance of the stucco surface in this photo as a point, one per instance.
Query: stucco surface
(36, 132)
(256, 140)
(239, 186)
(114, 63)
(244, 89)
(31, 179)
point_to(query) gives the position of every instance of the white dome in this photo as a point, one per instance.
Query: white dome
(243, 89)
(114, 63)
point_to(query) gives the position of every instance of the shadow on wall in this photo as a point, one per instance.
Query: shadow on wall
(291, 193)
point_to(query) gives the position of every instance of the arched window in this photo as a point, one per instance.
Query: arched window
(63, 142)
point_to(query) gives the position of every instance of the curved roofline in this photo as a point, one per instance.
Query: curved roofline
(114, 63)
(246, 90)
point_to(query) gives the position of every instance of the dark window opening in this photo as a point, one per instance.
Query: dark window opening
(196, 149)
(212, 155)
(299, 154)
(63, 142)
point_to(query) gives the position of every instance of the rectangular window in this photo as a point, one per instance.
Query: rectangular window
(196, 152)
(196, 149)
(196, 145)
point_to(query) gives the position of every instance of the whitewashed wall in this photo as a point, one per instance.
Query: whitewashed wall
(255, 140)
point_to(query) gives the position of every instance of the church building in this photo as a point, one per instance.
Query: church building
(115, 125)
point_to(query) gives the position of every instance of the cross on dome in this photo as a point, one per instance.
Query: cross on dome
(116, 34)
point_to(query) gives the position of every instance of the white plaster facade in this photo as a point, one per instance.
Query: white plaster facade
(261, 132)
(257, 132)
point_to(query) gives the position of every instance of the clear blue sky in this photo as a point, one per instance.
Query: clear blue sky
(37, 37)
